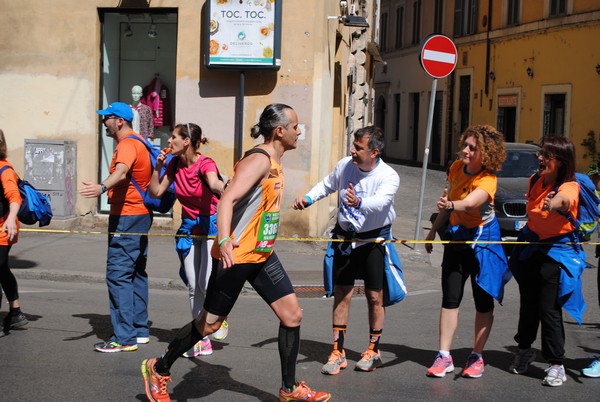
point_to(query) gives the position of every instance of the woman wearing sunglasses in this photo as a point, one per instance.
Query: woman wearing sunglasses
(549, 268)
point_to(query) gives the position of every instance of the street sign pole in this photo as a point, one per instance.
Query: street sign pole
(426, 157)
(438, 58)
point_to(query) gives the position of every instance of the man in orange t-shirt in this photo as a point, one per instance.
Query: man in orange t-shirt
(128, 225)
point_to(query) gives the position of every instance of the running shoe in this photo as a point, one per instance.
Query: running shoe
(593, 370)
(114, 347)
(12, 321)
(142, 340)
(221, 332)
(474, 367)
(441, 366)
(522, 360)
(302, 393)
(335, 363)
(155, 384)
(555, 375)
(369, 361)
(202, 348)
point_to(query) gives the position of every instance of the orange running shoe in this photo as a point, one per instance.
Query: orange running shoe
(155, 384)
(335, 363)
(302, 393)
(369, 362)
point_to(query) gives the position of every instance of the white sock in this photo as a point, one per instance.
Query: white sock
(445, 353)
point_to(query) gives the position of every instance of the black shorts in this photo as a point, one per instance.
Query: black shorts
(459, 262)
(268, 278)
(366, 262)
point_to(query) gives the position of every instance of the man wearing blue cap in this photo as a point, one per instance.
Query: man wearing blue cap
(126, 262)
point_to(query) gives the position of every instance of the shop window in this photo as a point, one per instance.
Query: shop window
(139, 49)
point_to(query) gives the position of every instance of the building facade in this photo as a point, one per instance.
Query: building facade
(528, 67)
(61, 60)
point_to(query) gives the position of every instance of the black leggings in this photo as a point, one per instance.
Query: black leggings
(7, 279)
(539, 280)
(458, 264)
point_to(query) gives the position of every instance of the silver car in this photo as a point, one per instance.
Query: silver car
(510, 203)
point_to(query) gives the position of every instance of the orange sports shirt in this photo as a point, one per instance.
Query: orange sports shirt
(124, 198)
(255, 220)
(550, 223)
(11, 193)
(461, 184)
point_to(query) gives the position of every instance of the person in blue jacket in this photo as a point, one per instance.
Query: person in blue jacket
(366, 187)
(466, 213)
(549, 267)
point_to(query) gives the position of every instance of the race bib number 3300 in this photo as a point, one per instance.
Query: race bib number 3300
(267, 232)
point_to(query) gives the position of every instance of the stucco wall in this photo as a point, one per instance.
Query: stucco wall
(559, 57)
(50, 79)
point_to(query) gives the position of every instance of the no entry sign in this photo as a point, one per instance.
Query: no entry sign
(438, 56)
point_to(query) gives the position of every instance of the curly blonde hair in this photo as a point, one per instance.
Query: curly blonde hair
(490, 143)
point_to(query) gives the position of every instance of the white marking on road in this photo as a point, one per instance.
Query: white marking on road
(421, 292)
(47, 291)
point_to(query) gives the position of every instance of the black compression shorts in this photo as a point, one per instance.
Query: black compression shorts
(268, 278)
(459, 262)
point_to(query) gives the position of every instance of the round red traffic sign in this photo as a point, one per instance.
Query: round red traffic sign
(438, 55)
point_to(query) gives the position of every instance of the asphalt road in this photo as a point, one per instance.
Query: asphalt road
(65, 299)
(52, 359)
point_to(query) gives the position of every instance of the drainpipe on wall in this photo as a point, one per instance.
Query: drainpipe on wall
(487, 48)
(349, 122)
(450, 82)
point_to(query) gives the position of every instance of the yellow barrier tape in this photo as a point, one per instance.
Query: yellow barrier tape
(299, 239)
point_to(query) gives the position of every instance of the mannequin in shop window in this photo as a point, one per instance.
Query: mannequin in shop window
(156, 96)
(142, 114)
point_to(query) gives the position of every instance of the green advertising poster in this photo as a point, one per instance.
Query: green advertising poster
(243, 34)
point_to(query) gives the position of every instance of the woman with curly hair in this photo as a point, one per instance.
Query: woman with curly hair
(466, 213)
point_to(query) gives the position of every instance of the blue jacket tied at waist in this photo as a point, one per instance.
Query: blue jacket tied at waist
(567, 252)
(394, 287)
(493, 266)
(184, 240)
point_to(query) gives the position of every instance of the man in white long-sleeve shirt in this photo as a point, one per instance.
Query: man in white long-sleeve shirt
(366, 187)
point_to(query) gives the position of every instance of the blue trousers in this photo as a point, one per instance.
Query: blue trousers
(126, 277)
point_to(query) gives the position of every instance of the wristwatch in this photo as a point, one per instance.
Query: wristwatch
(103, 186)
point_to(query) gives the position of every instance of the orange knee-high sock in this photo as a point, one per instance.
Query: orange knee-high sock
(339, 333)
